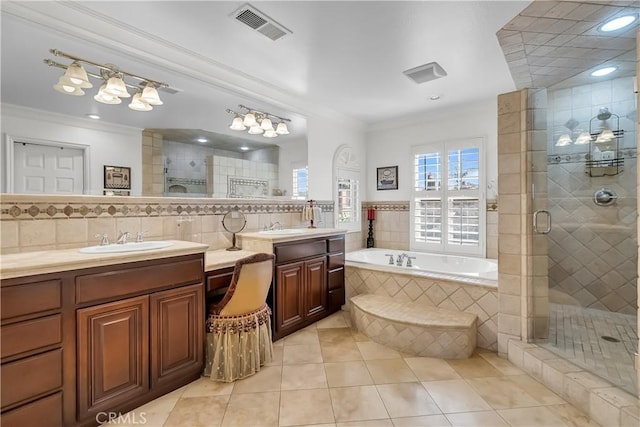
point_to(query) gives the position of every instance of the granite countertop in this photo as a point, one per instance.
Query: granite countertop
(52, 261)
(214, 260)
(305, 233)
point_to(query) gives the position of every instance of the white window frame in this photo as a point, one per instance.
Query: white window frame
(443, 194)
(294, 183)
(346, 166)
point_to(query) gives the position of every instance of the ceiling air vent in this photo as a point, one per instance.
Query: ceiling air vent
(260, 22)
(425, 73)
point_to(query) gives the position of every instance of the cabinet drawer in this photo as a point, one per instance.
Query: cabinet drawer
(219, 279)
(335, 244)
(46, 411)
(30, 298)
(336, 260)
(130, 281)
(30, 335)
(336, 299)
(31, 377)
(336, 278)
(290, 252)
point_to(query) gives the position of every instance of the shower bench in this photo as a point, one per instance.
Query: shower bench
(415, 328)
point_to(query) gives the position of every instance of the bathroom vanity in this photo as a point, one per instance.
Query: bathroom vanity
(85, 335)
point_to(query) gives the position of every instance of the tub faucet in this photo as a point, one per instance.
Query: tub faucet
(390, 258)
(401, 257)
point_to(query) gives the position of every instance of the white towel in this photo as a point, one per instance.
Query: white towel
(317, 215)
(307, 214)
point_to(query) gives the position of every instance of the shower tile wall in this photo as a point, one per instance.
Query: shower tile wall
(592, 249)
(226, 167)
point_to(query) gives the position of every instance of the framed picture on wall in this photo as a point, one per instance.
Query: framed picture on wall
(117, 177)
(387, 178)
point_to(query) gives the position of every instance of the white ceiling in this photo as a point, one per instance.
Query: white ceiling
(343, 59)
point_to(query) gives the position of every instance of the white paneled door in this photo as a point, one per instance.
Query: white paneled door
(48, 169)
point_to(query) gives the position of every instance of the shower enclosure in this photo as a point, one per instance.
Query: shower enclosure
(589, 230)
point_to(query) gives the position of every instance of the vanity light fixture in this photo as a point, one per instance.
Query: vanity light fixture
(258, 122)
(113, 86)
(618, 23)
(601, 72)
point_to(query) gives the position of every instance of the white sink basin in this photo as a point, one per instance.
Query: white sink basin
(282, 232)
(126, 247)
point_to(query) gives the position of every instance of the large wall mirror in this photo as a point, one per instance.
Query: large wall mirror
(200, 156)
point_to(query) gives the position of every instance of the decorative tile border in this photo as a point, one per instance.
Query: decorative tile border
(52, 207)
(554, 159)
(401, 206)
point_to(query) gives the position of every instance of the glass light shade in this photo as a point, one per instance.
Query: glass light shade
(138, 104)
(583, 138)
(270, 133)
(150, 96)
(255, 130)
(282, 129)
(67, 89)
(266, 124)
(77, 76)
(250, 120)
(237, 124)
(564, 140)
(105, 97)
(116, 87)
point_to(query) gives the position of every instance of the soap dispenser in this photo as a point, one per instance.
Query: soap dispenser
(597, 154)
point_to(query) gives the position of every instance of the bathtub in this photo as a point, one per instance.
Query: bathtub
(471, 270)
(445, 281)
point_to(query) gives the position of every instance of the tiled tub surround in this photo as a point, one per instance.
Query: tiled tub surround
(34, 222)
(391, 225)
(478, 299)
(414, 329)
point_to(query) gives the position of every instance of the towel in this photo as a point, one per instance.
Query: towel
(317, 214)
(307, 213)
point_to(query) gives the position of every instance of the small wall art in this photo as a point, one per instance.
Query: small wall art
(387, 178)
(117, 177)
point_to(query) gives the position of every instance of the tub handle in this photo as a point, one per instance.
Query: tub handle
(390, 258)
(535, 221)
(409, 258)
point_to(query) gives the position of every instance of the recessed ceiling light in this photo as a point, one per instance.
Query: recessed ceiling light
(618, 23)
(434, 97)
(93, 116)
(603, 71)
(202, 139)
(244, 148)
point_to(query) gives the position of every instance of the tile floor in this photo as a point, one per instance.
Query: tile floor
(330, 375)
(575, 333)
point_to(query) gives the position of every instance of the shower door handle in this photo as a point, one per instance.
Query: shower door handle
(535, 221)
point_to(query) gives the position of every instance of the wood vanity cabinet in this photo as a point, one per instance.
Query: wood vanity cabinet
(103, 339)
(309, 282)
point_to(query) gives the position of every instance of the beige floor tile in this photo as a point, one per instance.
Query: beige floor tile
(407, 400)
(431, 369)
(357, 404)
(252, 409)
(474, 367)
(424, 421)
(335, 336)
(387, 371)
(531, 417)
(304, 353)
(340, 352)
(370, 423)
(477, 419)
(304, 336)
(342, 374)
(336, 320)
(501, 364)
(571, 416)
(305, 407)
(359, 336)
(268, 379)
(372, 350)
(455, 396)
(278, 352)
(206, 387)
(513, 391)
(152, 414)
(301, 377)
(198, 411)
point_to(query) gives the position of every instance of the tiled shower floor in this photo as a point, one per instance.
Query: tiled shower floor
(575, 333)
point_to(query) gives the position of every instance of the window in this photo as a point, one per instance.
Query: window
(347, 189)
(300, 190)
(447, 198)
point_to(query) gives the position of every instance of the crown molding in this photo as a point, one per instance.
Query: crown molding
(81, 22)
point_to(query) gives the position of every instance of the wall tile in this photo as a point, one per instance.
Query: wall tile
(36, 233)
(72, 230)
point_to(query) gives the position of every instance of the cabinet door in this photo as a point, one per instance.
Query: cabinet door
(113, 354)
(289, 296)
(315, 289)
(177, 334)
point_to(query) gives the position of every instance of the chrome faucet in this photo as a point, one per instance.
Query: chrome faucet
(140, 236)
(104, 239)
(400, 258)
(409, 258)
(390, 258)
(123, 237)
(273, 226)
